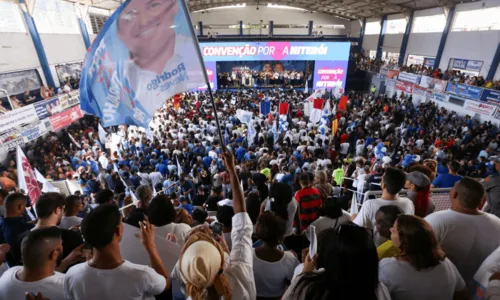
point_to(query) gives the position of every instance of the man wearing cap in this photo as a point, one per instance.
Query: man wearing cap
(418, 185)
(492, 187)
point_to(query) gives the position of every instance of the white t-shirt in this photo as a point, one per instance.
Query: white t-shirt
(128, 281)
(271, 277)
(406, 283)
(467, 240)
(12, 288)
(324, 222)
(344, 147)
(181, 231)
(156, 178)
(366, 216)
(68, 222)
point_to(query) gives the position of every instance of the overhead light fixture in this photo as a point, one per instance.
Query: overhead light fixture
(242, 5)
(270, 5)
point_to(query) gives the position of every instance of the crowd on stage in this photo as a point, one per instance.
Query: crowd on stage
(261, 209)
(267, 78)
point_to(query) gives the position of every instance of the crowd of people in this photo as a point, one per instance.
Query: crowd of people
(269, 77)
(262, 213)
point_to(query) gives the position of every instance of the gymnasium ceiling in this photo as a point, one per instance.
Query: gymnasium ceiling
(350, 9)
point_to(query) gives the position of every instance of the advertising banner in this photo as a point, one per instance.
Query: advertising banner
(459, 63)
(433, 83)
(330, 75)
(419, 95)
(474, 65)
(211, 68)
(22, 135)
(65, 118)
(467, 91)
(429, 62)
(480, 108)
(55, 105)
(275, 51)
(408, 77)
(392, 74)
(404, 87)
(144, 54)
(17, 117)
(491, 96)
(441, 97)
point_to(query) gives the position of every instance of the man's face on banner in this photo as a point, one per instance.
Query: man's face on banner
(143, 26)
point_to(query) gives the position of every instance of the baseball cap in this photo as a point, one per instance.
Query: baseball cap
(418, 178)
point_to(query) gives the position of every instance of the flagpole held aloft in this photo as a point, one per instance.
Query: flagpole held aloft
(200, 57)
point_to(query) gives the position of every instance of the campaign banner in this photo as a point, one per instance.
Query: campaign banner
(409, 77)
(496, 115)
(480, 108)
(65, 118)
(467, 91)
(419, 95)
(145, 53)
(404, 87)
(49, 107)
(330, 75)
(17, 117)
(22, 135)
(474, 65)
(244, 51)
(459, 63)
(211, 68)
(429, 62)
(392, 74)
(74, 98)
(434, 84)
(441, 97)
(490, 96)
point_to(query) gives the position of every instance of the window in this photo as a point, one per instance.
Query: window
(372, 54)
(96, 19)
(397, 26)
(435, 23)
(372, 28)
(55, 16)
(477, 20)
(10, 18)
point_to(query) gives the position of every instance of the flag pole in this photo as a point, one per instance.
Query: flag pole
(200, 57)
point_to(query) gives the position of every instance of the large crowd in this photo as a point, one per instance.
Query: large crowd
(264, 213)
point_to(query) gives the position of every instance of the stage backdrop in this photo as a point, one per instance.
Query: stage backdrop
(331, 58)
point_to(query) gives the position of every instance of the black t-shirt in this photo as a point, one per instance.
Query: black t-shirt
(212, 202)
(199, 199)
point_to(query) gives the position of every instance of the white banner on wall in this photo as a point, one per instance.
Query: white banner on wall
(408, 77)
(17, 117)
(480, 108)
(23, 135)
(433, 83)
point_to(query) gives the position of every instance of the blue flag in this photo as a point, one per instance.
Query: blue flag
(265, 108)
(145, 53)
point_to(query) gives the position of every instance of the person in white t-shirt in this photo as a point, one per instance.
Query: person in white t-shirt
(162, 214)
(333, 216)
(345, 250)
(344, 148)
(40, 250)
(106, 275)
(73, 206)
(465, 233)
(487, 278)
(272, 267)
(392, 183)
(422, 271)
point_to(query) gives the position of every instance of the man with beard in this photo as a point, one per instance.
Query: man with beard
(41, 250)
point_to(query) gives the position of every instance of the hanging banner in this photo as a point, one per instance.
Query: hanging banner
(480, 108)
(434, 84)
(404, 87)
(55, 105)
(409, 77)
(467, 91)
(441, 97)
(22, 135)
(392, 74)
(17, 117)
(491, 96)
(65, 118)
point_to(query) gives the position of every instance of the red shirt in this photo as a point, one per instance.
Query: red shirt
(344, 138)
(310, 202)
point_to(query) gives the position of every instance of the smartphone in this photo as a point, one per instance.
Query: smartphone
(87, 250)
(217, 228)
(254, 189)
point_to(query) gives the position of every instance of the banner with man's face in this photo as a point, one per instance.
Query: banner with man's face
(144, 54)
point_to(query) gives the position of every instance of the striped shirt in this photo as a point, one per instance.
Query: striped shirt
(309, 200)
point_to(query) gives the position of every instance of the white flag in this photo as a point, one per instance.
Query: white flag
(47, 186)
(102, 135)
(244, 116)
(315, 115)
(403, 143)
(179, 168)
(74, 141)
(327, 109)
(26, 177)
(354, 204)
(251, 133)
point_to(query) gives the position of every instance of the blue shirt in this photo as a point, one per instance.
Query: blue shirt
(442, 169)
(163, 169)
(207, 160)
(287, 178)
(188, 207)
(240, 153)
(446, 180)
